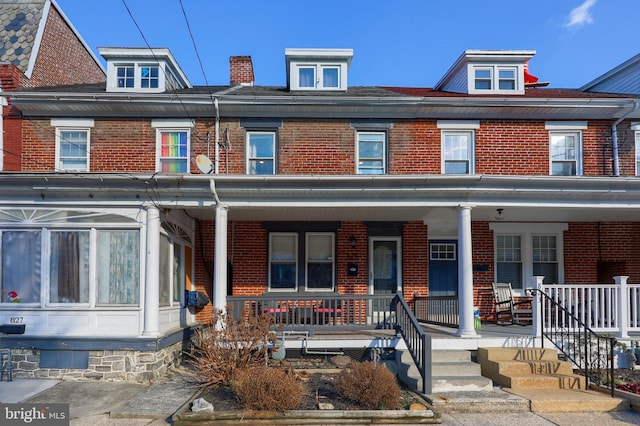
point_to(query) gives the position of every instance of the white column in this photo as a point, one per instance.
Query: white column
(465, 274)
(623, 306)
(152, 274)
(535, 305)
(220, 259)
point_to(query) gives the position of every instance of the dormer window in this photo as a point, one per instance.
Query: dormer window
(495, 79)
(489, 72)
(318, 69)
(142, 70)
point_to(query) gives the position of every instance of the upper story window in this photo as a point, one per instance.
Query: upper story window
(261, 153)
(318, 69)
(371, 153)
(498, 79)
(142, 70)
(636, 128)
(126, 76)
(458, 146)
(72, 143)
(149, 77)
(565, 148)
(173, 139)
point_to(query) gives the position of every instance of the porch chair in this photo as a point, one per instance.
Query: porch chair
(508, 311)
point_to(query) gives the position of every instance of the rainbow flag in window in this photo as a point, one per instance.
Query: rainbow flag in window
(174, 152)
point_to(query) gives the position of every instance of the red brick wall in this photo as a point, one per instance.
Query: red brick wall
(62, 58)
(415, 260)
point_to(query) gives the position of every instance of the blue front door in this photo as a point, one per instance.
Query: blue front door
(443, 268)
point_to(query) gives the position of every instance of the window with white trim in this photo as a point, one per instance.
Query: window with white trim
(72, 143)
(458, 146)
(565, 147)
(149, 76)
(125, 74)
(521, 253)
(318, 77)
(260, 152)
(636, 128)
(320, 260)
(173, 140)
(371, 153)
(136, 76)
(496, 79)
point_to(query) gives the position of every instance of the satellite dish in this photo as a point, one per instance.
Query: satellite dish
(204, 164)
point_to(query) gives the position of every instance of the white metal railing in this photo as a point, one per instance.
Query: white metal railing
(604, 308)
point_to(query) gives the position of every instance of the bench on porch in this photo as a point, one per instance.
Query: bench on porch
(508, 310)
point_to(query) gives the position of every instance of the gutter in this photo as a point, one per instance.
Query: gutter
(614, 139)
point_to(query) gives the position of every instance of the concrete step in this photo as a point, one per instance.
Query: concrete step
(450, 356)
(516, 354)
(459, 368)
(570, 401)
(441, 384)
(547, 381)
(526, 367)
(483, 401)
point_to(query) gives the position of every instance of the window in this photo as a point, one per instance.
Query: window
(495, 79)
(521, 254)
(320, 261)
(173, 145)
(301, 257)
(149, 77)
(126, 76)
(565, 153)
(118, 267)
(565, 147)
(457, 152)
(443, 251)
(69, 269)
(319, 77)
(371, 153)
(458, 146)
(545, 257)
(483, 79)
(509, 260)
(261, 153)
(283, 261)
(21, 257)
(636, 128)
(72, 144)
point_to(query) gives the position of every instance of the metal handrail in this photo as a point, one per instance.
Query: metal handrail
(590, 352)
(417, 340)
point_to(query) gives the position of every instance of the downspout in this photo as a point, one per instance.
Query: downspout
(217, 137)
(614, 139)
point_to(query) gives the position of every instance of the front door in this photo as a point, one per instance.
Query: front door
(385, 260)
(443, 268)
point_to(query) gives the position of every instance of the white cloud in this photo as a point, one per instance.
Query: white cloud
(580, 15)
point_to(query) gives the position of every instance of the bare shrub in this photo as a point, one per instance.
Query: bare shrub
(369, 384)
(226, 345)
(267, 388)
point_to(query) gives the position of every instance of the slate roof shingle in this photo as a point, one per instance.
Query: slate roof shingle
(19, 21)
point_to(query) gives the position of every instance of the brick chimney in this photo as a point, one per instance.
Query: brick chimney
(241, 68)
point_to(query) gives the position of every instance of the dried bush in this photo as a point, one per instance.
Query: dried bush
(371, 384)
(267, 388)
(226, 345)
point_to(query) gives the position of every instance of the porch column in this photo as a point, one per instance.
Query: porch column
(152, 274)
(465, 274)
(623, 306)
(220, 260)
(536, 282)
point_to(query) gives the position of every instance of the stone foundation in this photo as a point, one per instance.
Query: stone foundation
(136, 366)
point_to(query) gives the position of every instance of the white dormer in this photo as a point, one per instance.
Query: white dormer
(318, 69)
(142, 70)
(484, 72)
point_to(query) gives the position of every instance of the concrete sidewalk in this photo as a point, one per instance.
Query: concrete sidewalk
(132, 404)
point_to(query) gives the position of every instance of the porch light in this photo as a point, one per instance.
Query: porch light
(499, 214)
(354, 241)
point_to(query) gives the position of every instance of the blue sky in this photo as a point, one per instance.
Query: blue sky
(396, 42)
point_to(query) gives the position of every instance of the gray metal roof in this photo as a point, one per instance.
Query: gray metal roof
(19, 23)
(625, 78)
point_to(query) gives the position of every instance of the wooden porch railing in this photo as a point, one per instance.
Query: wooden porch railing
(612, 309)
(319, 311)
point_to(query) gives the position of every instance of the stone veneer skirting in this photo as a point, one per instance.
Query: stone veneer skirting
(126, 365)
